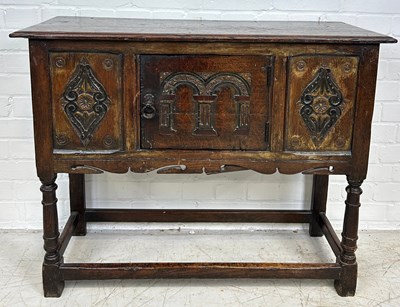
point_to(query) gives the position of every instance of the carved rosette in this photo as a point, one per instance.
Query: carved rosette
(62, 139)
(205, 87)
(85, 101)
(321, 104)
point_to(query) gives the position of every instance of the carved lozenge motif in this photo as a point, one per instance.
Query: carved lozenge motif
(85, 101)
(321, 104)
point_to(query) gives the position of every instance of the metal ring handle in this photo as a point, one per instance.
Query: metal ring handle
(148, 109)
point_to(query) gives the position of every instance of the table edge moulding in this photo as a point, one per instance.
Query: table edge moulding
(191, 96)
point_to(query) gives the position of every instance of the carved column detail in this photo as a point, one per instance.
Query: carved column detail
(205, 117)
(166, 116)
(243, 115)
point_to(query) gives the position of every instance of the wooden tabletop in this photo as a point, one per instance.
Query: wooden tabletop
(200, 30)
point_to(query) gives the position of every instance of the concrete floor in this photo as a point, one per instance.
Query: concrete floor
(378, 256)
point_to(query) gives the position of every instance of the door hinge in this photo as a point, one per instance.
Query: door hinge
(269, 76)
(266, 132)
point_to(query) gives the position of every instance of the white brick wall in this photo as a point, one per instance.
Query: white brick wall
(19, 188)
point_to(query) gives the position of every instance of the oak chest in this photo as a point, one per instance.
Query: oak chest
(122, 95)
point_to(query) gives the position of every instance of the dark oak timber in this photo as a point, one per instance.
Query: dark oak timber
(199, 30)
(195, 216)
(318, 202)
(346, 285)
(330, 234)
(185, 96)
(78, 201)
(53, 284)
(199, 270)
(69, 228)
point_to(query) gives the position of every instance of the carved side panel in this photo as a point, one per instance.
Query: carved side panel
(321, 103)
(87, 102)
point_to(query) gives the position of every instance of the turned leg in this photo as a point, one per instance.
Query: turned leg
(53, 284)
(346, 285)
(318, 203)
(78, 201)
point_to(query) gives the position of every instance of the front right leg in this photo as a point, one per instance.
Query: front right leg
(346, 284)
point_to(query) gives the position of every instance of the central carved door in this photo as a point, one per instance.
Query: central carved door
(205, 102)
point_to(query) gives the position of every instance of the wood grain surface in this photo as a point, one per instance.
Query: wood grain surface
(200, 30)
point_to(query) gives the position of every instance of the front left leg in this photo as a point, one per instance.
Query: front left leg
(53, 284)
